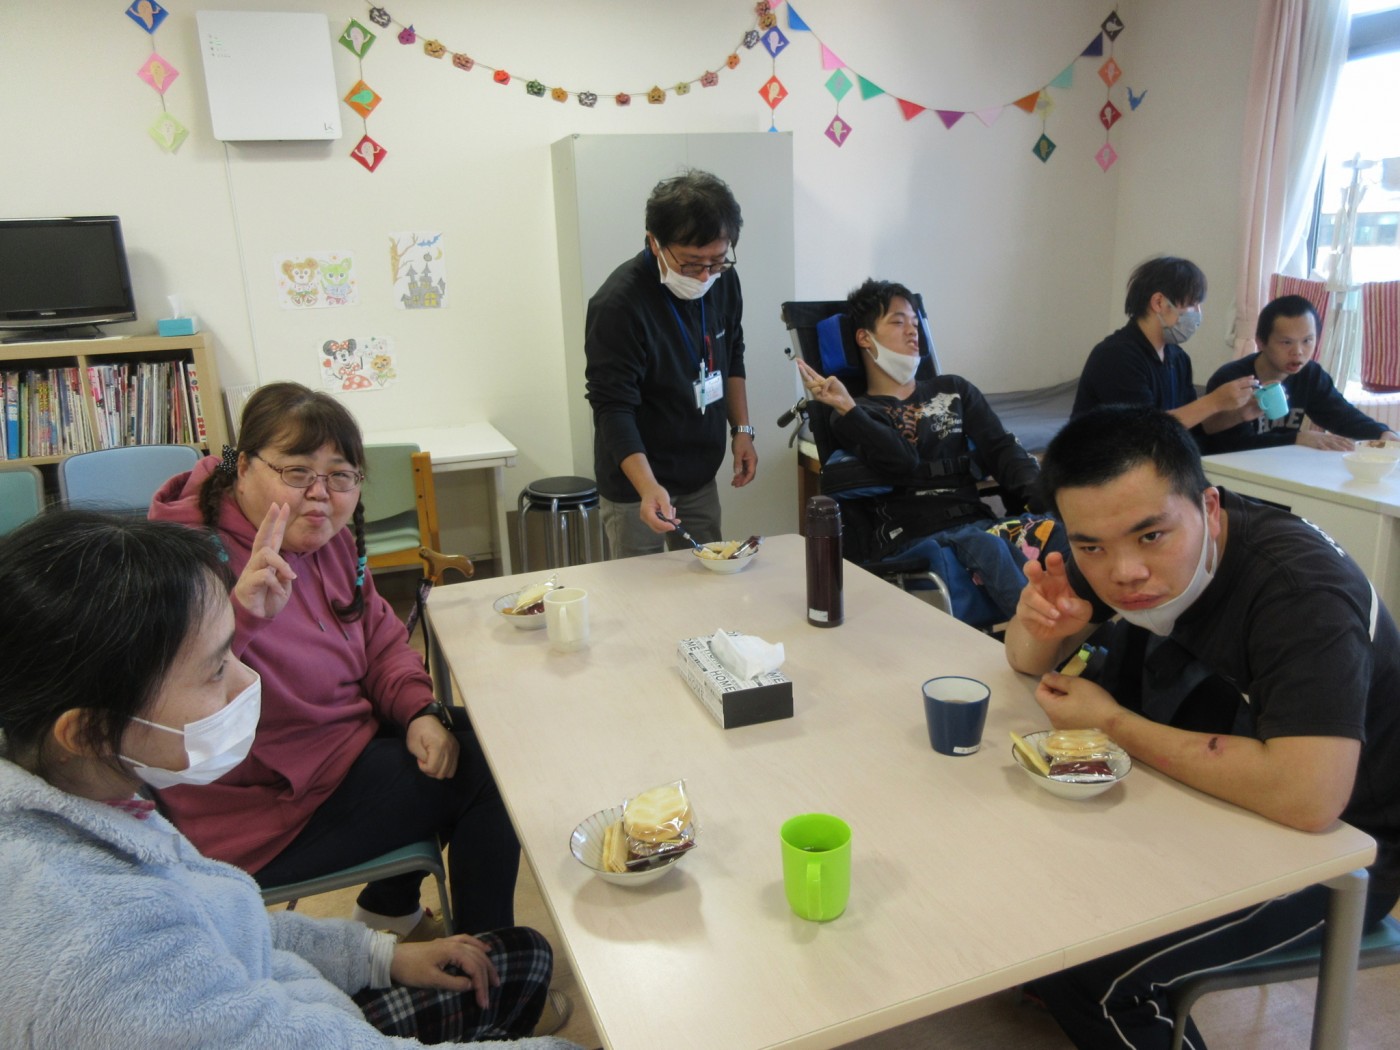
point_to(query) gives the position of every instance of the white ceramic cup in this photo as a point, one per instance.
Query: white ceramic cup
(566, 619)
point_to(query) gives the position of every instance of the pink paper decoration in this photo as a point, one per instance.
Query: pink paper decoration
(830, 61)
(158, 72)
(1106, 156)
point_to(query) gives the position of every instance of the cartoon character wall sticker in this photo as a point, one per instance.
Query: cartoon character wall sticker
(316, 280)
(351, 365)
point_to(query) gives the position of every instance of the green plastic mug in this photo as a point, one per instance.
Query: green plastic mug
(817, 865)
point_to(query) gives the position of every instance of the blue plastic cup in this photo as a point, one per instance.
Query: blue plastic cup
(1273, 399)
(956, 711)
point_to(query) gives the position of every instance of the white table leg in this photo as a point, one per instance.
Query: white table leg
(1341, 944)
(502, 538)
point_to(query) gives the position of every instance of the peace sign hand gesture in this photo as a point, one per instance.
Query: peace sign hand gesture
(265, 586)
(826, 389)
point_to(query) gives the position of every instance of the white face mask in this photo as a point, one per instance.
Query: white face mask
(899, 367)
(1187, 322)
(683, 287)
(213, 745)
(1160, 619)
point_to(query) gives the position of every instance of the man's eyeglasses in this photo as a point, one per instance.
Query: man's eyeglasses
(305, 477)
(701, 269)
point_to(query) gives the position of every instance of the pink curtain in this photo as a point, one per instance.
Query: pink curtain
(1300, 47)
(1380, 341)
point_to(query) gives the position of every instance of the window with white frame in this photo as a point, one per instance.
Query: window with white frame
(1363, 152)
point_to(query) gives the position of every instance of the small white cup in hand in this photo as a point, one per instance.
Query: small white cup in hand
(566, 619)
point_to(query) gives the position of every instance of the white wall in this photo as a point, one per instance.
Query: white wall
(1022, 263)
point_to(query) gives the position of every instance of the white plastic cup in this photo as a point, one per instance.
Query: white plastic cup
(566, 619)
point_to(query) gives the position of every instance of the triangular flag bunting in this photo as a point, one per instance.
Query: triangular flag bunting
(1065, 79)
(794, 22)
(1028, 102)
(867, 89)
(1095, 48)
(989, 116)
(949, 116)
(911, 109)
(829, 59)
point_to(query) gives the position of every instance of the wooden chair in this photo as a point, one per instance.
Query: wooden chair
(400, 505)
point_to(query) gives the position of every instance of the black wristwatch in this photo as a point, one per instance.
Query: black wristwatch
(438, 711)
(745, 429)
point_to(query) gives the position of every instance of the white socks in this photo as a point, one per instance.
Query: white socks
(399, 925)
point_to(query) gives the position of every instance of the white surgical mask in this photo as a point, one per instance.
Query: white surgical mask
(1160, 619)
(683, 287)
(1186, 324)
(213, 745)
(899, 367)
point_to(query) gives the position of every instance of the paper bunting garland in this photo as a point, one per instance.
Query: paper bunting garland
(357, 38)
(363, 99)
(165, 131)
(1039, 103)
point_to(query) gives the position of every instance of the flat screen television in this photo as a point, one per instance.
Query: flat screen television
(58, 275)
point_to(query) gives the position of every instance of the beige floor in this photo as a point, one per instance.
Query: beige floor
(1276, 1017)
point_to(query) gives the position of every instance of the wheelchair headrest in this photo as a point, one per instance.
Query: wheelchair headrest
(836, 341)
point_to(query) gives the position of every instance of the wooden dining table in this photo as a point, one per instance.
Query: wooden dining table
(967, 877)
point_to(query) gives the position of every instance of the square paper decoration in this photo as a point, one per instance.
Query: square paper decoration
(369, 153)
(362, 98)
(147, 14)
(157, 72)
(167, 132)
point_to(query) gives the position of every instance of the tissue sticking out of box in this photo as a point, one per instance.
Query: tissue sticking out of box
(746, 656)
(177, 323)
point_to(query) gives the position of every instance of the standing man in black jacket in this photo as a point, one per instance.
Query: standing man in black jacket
(665, 375)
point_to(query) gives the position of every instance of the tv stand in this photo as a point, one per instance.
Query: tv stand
(53, 335)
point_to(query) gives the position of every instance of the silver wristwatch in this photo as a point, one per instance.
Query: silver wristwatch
(736, 431)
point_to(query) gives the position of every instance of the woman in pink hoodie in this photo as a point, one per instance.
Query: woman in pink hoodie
(351, 759)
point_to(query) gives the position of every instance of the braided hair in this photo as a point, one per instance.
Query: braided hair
(300, 421)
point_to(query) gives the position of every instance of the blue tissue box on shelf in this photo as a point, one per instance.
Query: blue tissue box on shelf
(168, 326)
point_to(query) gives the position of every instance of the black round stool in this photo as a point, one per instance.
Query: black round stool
(562, 498)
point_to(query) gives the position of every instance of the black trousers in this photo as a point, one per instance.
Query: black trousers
(384, 803)
(1119, 1001)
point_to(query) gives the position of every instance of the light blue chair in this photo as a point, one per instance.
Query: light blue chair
(121, 480)
(420, 856)
(21, 495)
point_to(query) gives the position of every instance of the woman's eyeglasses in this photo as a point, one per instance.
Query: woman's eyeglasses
(305, 477)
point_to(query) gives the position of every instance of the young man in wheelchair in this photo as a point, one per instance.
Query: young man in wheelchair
(924, 445)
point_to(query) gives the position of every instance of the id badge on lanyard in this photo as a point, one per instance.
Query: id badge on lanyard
(709, 388)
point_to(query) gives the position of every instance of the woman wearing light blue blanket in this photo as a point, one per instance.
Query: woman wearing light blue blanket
(115, 669)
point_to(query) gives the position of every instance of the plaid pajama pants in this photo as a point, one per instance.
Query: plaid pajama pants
(431, 1015)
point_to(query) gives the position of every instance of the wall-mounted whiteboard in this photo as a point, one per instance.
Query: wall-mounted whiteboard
(269, 75)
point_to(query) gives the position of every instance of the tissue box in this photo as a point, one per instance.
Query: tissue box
(732, 701)
(177, 325)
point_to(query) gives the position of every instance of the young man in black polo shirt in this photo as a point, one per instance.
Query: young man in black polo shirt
(1296, 716)
(1142, 363)
(1287, 335)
